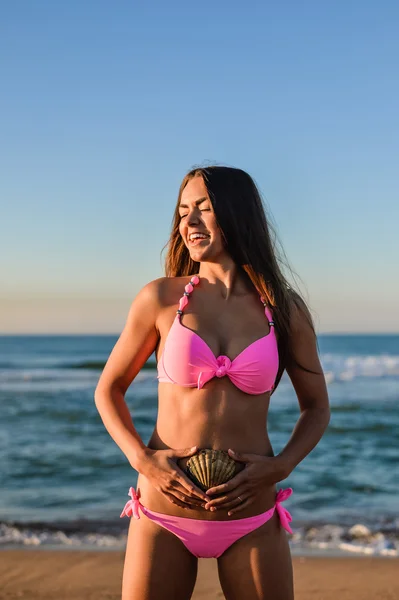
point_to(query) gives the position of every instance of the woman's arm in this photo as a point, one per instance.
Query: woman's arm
(135, 345)
(310, 389)
(241, 491)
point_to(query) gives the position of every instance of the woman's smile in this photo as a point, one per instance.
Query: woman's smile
(196, 241)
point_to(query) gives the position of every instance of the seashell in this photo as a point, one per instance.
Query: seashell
(209, 468)
(202, 468)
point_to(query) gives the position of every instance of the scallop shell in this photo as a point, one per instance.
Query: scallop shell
(209, 468)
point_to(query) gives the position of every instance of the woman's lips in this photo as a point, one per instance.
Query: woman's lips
(197, 241)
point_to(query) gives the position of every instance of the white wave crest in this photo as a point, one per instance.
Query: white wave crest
(346, 368)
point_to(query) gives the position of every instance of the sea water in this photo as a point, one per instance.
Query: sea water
(64, 482)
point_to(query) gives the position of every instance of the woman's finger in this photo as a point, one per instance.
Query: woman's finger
(181, 452)
(190, 487)
(226, 499)
(182, 494)
(174, 500)
(241, 506)
(232, 484)
(243, 457)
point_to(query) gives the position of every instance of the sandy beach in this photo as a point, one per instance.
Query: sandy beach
(87, 575)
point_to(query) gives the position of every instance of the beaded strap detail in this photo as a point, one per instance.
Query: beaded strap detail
(187, 291)
(267, 310)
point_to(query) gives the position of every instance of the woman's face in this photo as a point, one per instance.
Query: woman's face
(198, 226)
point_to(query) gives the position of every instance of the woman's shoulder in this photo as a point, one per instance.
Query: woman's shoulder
(301, 319)
(163, 291)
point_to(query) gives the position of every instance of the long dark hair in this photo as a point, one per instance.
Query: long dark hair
(247, 236)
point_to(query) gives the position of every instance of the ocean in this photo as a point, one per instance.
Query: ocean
(64, 482)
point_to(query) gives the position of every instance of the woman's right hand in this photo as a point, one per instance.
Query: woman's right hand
(161, 469)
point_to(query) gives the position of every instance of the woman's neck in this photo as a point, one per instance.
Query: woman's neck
(225, 279)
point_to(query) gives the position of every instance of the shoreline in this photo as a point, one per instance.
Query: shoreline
(341, 540)
(39, 574)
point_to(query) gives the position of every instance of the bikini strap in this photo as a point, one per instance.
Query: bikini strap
(187, 291)
(268, 312)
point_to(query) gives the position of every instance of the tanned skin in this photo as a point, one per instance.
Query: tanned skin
(228, 316)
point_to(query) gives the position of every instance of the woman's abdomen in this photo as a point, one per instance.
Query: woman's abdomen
(214, 421)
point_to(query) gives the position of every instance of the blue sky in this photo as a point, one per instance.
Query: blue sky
(105, 107)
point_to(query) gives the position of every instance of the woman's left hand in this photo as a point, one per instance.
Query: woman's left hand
(242, 490)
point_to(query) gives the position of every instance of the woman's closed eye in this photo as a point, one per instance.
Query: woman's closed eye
(201, 210)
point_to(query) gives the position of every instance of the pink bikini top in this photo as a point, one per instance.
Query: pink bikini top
(187, 360)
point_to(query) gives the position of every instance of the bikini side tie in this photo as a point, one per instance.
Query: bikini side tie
(283, 513)
(132, 506)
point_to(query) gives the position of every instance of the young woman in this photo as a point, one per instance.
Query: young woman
(224, 324)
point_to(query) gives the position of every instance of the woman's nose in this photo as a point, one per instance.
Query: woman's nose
(193, 216)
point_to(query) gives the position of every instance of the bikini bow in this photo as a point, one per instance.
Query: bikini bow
(132, 506)
(219, 367)
(283, 513)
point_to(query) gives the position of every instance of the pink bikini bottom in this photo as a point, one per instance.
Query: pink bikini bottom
(209, 539)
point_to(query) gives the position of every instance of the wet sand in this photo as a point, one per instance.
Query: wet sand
(86, 575)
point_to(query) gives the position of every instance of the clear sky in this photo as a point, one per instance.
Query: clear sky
(105, 106)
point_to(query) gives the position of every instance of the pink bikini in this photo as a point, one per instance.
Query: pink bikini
(188, 361)
(209, 539)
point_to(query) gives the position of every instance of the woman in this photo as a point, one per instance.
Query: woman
(224, 325)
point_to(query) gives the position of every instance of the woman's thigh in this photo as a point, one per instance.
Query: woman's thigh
(258, 566)
(157, 564)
